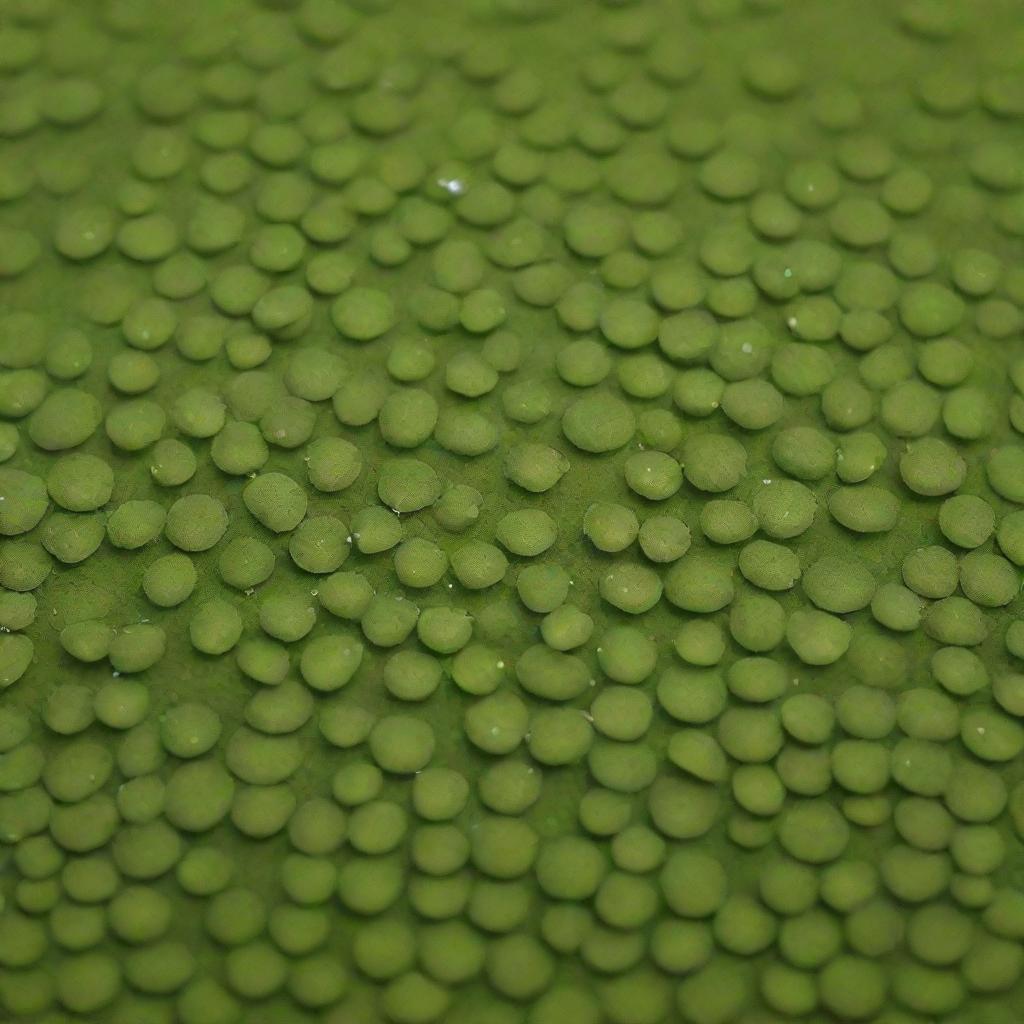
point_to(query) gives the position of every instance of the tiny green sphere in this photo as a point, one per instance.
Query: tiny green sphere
(864, 509)
(526, 532)
(199, 413)
(239, 449)
(610, 527)
(988, 579)
(172, 463)
(967, 520)
(631, 588)
(276, 501)
(320, 544)
(931, 572)
(713, 462)
(599, 423)
(769, 566)
(552, 674)
(813, 831)
(333, 464)
(859, 456)
(784, 508)
(401, 744)
(664, 538)
(170, 580)
(626, 654)
(88, 982)
(853, 988)
(215, 627)
(407, 485)
(80, 483)
(929, 310)
(478, 565)
(932, 468)
(363, 313)
(816, 637)
(66, 418)
(803, 452)
(134, 648)
(503, 848)
(752, 404)
(566, 628)
(469, 375)
(245, 562)
(196, 522)
(583, 363)
(653, 475)
(444, 630)
(629, 323)
(543, 587)
(725, 521)
(535, 467)
(839, 585)
(1003, 469)
(955, 621)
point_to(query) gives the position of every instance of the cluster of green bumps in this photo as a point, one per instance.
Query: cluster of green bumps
(512, 512)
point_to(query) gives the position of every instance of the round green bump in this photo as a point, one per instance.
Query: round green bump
(170, 580)
(599, 423)
(196, 522)
(245, 563)
(66, 418)
(276, 501)
(535, 467)
(363, 314)
(401, 744)
(817, 638)
(769, 566)
(864, 509)
(932, 468)
(967, 520)
(784, 508)
(80, 483)
(526, 532)
(929, 310)
(837, 584)
(287, 614)
(955, 621)
(215, 627)
(653, 475)
(629, 324)
(713, 462)
(239, 449)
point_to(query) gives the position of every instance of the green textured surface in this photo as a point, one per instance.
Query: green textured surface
(907, 810)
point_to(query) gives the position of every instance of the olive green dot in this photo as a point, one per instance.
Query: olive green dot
(363, 314)
(287, 614)
(598, 423)
(276, 501)
(631, 587)
(713, 462)
(816, 637)
(65, 419)
(864, 509)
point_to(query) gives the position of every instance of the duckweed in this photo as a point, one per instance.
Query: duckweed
(510, 518)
